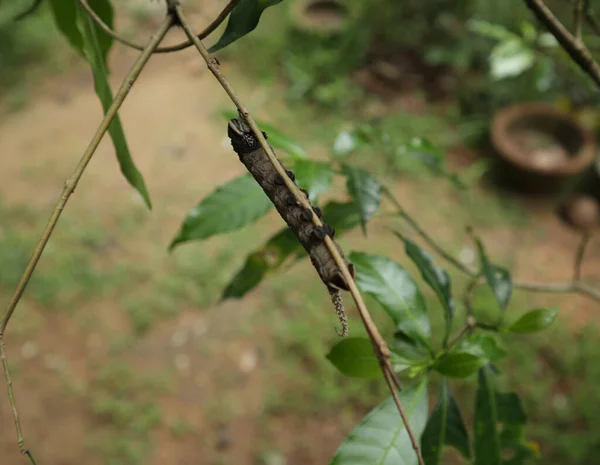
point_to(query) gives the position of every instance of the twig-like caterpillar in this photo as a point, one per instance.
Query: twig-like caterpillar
(298, 218)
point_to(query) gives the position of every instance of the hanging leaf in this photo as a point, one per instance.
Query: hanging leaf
(444, 427)
(486, 437)
(354, 357)
(498, 278)
(396, 291)
(277, 139)
(242, 20)
(365, 190)
(315, 177)
(435, 276)
(459, 364)
(534, 321)
(269, 258)
(94, 44)
(381, 437)
(229, 207)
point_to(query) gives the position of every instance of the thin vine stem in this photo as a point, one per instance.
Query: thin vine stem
(168, 49)
(68, 189)
(380, 347)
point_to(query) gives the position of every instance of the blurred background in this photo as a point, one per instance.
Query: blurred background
(122, 352)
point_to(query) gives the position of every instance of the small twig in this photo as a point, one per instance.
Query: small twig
(579, 254)
(380, 347)
(69, 187)
(577, 19)
(467, 327)
(171, 48)
(575, 48)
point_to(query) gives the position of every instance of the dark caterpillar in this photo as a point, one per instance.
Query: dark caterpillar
(298, 218)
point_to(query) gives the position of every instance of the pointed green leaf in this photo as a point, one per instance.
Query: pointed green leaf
(407, 347)
(65, 15)
(534, 321)
(95, 50)
(231, 206)
(381, 438)
(277, 139)
(510, 410)
(486, 437)
(444, 427)
(484, 346)
(365, 190)
(315, 177)
(396, 291)
(354, 357)
(269, 258)
(459, 364)
(498, 278)
(242, 20)
(435, 276)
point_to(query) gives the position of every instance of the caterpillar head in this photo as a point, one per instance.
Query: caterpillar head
(242, 138)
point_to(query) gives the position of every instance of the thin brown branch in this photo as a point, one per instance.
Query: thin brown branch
(380, 347)
(575, 286)
(69, 187)
(171, 48)
(575, 48)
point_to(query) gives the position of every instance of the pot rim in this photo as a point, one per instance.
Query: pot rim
(502, 139)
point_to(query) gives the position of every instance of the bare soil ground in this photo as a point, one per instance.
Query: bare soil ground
(178, 141)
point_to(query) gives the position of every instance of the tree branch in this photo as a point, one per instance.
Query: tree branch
(575, 48)
(380, 347)
(69, 187)
(171, 48)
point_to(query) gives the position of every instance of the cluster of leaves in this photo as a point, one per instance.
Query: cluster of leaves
(499, 418)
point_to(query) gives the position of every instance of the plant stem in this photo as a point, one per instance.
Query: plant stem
(69, 187)
(380, 347)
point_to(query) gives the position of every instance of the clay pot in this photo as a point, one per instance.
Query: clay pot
(540, 148)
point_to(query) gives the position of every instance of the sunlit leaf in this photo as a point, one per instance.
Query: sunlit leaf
(354, 357)
(365, 190)
(277, 139)
(381, 437)
(396, 291)
(243, 19)
(511, 58)
(534, 320)
(435, 276)
(459, 364)
(229, 207)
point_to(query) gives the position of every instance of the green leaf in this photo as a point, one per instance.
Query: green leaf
(315, 177)
(381, 438)
(354, 357)
(261, 262)
(459, 364)
(95, 49)
(498, 278)
(349, 141)
(435, 276)
(64, 13)
(231, 206)
(483, 346)
(365, 190)
(407, 347)
(510, 410)
(277, 139)
(269, 257)
(396, 291)
(486, 437)
(444, 427)
(511, 58)
(242, 20)
(534, 320)
(489, 30)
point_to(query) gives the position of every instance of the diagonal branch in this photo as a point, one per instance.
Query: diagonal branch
(380, 347)
(171, 48)
(575, 48)
(70, 185)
